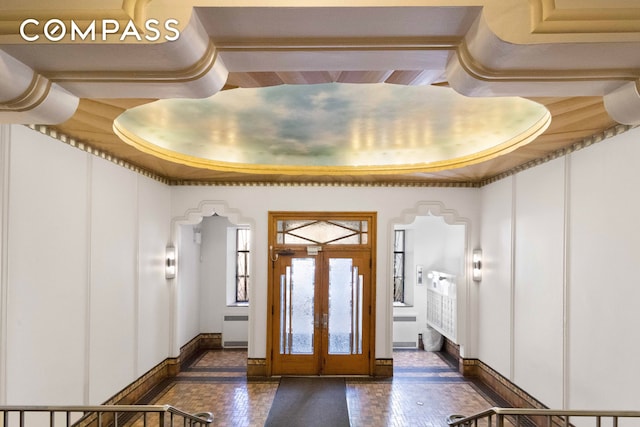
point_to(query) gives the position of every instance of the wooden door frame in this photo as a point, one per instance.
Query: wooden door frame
(371, 217)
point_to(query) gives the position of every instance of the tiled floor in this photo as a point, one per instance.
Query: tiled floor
(424, 390)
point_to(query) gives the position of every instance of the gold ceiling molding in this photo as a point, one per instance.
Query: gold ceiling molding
(134, 10)
(478, 71)
(35, 94)
(584, 143)
(189, 74)
(549, 17)
(403, 184)
(81, 145)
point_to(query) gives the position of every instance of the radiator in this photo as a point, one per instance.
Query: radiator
(405, 331)
(235, 331)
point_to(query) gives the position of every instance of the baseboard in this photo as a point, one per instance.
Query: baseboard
(136, 390)
(517, 397)
(383, 368)
(490, 378)
(170, 367)
(256, 367)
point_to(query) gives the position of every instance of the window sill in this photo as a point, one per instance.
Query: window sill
(238, 304)
(402, 304)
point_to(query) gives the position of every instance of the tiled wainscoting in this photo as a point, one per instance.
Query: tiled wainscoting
(473, 369)
(507, 390)
(168, 368)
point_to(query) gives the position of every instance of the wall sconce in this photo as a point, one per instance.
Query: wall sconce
(476, 263)
(170, 263)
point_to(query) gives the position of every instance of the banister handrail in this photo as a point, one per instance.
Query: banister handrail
(201, 418)
(548, 414)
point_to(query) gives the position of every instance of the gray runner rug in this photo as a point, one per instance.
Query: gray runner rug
(309, 402)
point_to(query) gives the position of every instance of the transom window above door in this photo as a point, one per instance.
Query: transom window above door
(322, 232)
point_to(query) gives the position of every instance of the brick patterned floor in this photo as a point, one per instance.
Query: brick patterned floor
(424, 390)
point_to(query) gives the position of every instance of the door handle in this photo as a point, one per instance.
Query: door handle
(321, 320)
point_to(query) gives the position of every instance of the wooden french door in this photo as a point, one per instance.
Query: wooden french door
(321, 295)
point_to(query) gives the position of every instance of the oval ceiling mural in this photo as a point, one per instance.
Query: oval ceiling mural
(332, 128)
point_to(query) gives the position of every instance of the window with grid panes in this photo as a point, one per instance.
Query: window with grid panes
(243, 261)
(398, 266)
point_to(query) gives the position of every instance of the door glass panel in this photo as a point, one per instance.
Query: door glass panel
(297, 290)
(345, 307)
(356, 339)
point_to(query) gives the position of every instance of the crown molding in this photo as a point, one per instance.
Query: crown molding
(81, 145)
(32, 97)
(584, 143)
(550, 17)
(408, 184)
(478, 71)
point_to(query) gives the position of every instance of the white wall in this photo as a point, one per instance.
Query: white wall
(83, 278)
(435, 245)
(188, 286)
(153, 337)
(83, 245)
(83, 293)
(113, 279)
(495, 290)
(213, 272)
(558, 300)
(539, 281)
(250, 205)
(47, 270)
(602, 260)
(217, 280)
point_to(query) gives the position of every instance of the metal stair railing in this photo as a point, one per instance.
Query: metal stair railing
(101, 416)
(538, 417)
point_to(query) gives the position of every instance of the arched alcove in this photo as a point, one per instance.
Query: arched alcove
(437, 243)
(201, 238)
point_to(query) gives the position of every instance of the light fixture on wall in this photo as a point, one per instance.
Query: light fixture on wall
(197, 235)
(170, 263)
(476, 263)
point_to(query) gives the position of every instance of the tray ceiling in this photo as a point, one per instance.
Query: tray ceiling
(584, 78)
